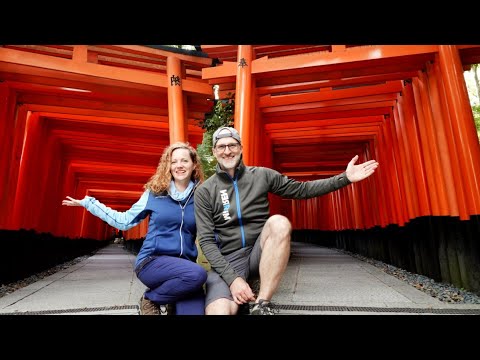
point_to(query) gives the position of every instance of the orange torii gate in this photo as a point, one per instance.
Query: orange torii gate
(90, 120)
(94, 119)
(407, 106)
(306, 110)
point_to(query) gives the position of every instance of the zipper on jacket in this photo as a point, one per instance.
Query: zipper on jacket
(183, 215)
(239, 211)
(181, 236)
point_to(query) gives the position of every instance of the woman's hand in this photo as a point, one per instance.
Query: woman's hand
(71, 202)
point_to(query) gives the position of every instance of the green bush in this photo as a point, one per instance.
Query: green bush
(222, 115)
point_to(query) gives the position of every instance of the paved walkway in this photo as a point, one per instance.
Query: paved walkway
(102, 284)
(320, 280)
(317, 281)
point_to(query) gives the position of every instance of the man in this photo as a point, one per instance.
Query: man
(235, 232)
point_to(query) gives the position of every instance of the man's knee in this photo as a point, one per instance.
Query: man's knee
(221, 307)
(280, 225)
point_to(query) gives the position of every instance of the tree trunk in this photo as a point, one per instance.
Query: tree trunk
(477, 83)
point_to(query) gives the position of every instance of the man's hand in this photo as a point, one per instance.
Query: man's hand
(361, 171)
(241, 291)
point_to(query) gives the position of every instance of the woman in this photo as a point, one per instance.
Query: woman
(166, 261)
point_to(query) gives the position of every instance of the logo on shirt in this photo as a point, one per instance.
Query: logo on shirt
(226, 204)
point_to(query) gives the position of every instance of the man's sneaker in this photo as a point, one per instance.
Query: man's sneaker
(148, 307)
(263, 307)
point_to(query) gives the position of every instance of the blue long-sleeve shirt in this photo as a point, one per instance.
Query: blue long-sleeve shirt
(171, 228)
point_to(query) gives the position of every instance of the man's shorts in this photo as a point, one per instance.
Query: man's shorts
(245, 262)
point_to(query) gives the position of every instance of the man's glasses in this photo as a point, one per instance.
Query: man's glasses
(232, 147)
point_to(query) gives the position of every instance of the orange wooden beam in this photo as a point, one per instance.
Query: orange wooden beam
(311, 85)
(325, 124)
(302, 98)
(176, 115)
(243, 101)
(159, 53)
(57, 67)
(357, 56)
(463, 126)
(381, 100)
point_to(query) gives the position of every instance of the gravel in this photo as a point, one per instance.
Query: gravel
(9, 288)
(444, 292)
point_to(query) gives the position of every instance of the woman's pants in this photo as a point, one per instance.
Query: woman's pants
(173, 280)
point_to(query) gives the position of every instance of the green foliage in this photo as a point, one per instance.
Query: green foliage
(476, 115)
(476, 118)
(206, 156)
(222, 115)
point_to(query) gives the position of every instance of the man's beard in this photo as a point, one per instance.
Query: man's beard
(232, 163)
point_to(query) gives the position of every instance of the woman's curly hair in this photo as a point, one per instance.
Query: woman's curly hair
(160, 181)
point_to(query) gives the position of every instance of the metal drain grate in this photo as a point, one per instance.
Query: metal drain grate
(377, 309)
(310, 308)
(78, 310)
